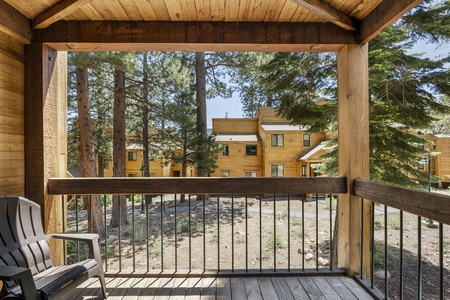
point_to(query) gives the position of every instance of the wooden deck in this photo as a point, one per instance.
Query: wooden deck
(315, 287)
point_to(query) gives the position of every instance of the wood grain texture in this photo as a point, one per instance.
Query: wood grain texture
(329, 13)
(353, 156)
(58, 12)
(385, 14)
(14, 23)
(428, 205)
(179, 35)
(84, 186)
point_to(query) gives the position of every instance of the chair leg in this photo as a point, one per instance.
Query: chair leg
(103, 284)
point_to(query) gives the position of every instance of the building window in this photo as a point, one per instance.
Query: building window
(304, 170)
(225, 174)
(250, 174)
(251, 150)
(421, 166)
(277, 140)
(225, 150)
(132, 156)
(132, 175)
(306, 140)
(277, 170)
(421, 146)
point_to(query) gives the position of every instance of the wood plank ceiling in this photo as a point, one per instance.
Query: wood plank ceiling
(283, 22)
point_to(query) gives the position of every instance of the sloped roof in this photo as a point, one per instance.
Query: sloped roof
(283, 127)
(289, 25)
(237, 138)
(309, 154)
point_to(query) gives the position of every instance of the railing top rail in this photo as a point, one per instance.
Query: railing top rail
(429, 205)
(191, 185)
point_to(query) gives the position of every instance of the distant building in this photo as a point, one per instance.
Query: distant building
(266, 146)
(440, 157)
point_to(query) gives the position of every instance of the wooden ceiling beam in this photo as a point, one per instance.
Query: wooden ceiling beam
(14, 24)
(386, 13)
(187, 36)
(329, 13)
(57, 12)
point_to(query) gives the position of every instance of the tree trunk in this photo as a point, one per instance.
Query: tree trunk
(95, 216)
(200, 76)
(145, 126)
(119, 209)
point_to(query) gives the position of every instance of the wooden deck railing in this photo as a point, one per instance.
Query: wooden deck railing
(246, 226)
(408, 243)
(385, 232)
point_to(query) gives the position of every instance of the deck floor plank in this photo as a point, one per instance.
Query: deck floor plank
(282, 288)
(341, 288)
(326, 288)
(267, 289)
(296, 288)
(238, 289)
(359, 292)
(311, 289)
(224, 288)
(252, 288)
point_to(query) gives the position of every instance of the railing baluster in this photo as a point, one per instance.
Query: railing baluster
(401, 255)
(119, 199)
(63, 224)
(218, 232)
(260, 233)
(372, 245)
(190, 231)
(274, 233)
(289, 232)
(162, 232)
(77, 225)
(303, 231)
(419, 257)
(441, 261)
(246, 233)
(106, 233)
(204, 231)
(317, 232)
(232, 233)
(175, 220)
(386, 288)
(147, 233)
(133, 235)
(331, 232)
(361, 249)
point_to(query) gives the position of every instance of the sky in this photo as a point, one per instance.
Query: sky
(220, 107)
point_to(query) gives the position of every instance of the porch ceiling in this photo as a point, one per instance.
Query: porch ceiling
(321, 25)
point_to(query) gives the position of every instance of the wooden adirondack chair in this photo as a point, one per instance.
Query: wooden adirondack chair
(26, 269)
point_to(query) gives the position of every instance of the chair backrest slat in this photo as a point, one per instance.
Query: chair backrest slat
(24, 240)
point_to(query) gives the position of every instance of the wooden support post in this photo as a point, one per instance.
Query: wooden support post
(45, 131)
(353, 118)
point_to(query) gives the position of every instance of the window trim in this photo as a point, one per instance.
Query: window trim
(250, 152)
(277, 170)
(132, 156)
(227, 148)
(306, 142)
(275, 139)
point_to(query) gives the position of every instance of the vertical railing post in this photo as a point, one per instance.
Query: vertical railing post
(353, 145)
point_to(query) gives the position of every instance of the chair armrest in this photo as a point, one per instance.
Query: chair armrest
(90, 238)
(85, 237)
(23, 275)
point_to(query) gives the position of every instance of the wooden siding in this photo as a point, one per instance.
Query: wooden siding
(236, 163)
(12, 119)
(235, 126)
(176, 10)
(443, 159)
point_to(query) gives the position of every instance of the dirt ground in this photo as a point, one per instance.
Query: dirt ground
(238, 239)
